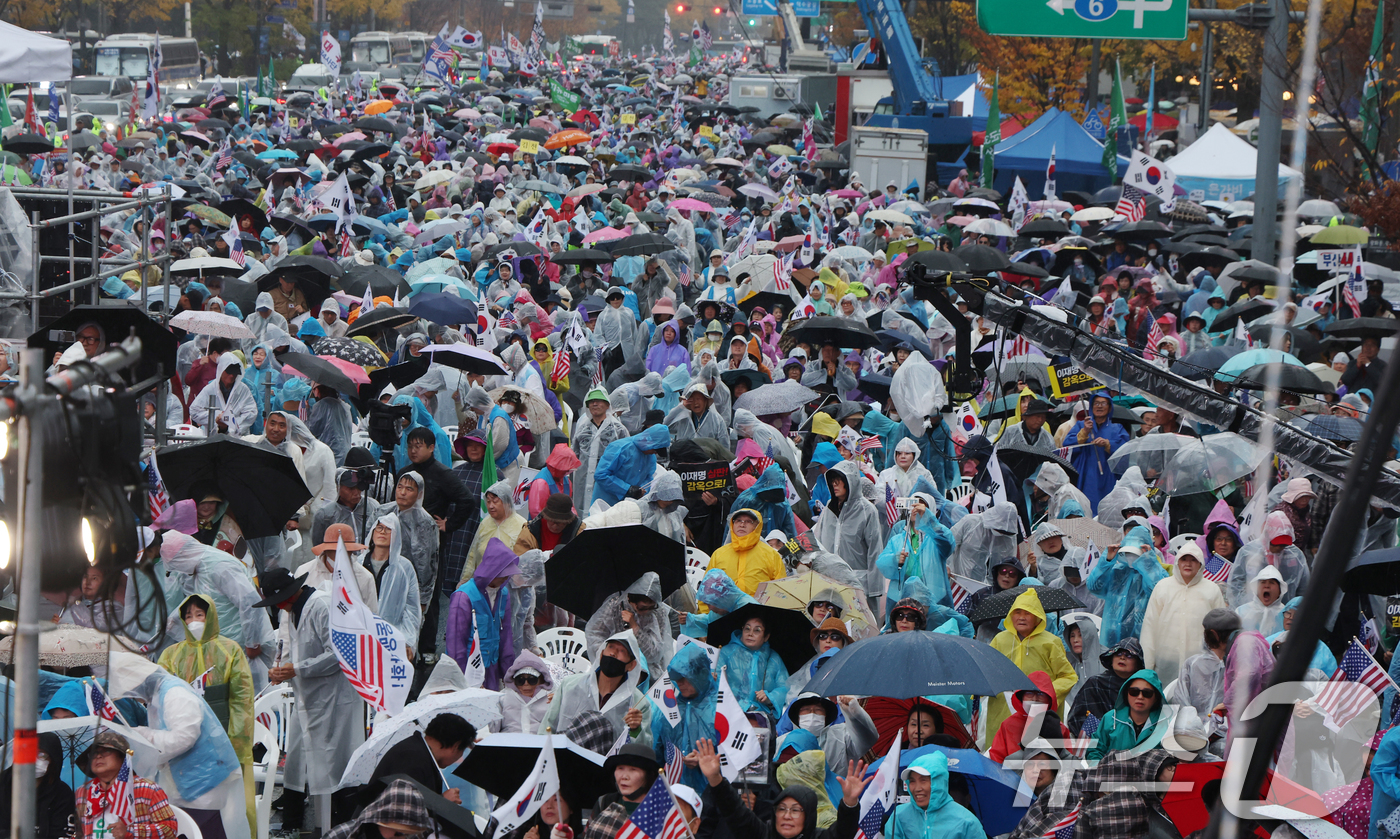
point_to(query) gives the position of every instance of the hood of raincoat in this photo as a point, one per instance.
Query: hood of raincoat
(1150, 676)
(227, 360)
(1028, 601)
(1220, 516)
(496, 561)
(1042, 683)
(719, 592)
(1277, 524)
(447, 676)
(656, 437)
(562, 459)
(502, 490)
(528, 659)
(808, 770)
(692, 664)
(1269, 572)
(1131, 645)
(648, 585)
(264, 301)
(1089, 634)
(665, 486)
(1003, 518)
(1050, 478)
(134, 676)
(826, 454)
(936, 765)
(211, 619)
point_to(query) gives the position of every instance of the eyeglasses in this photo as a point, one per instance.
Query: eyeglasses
(789, 811)
(904, 616)
(832, 636)
(1145, 693)
(526, 679)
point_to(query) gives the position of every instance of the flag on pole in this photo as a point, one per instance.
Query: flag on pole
(1132, 203)
(738, 742)
(1064, 828)
(993, 136)
(99, 705)
(118, 801)
(151, 105)
(961, 589)
(542, 783)
(1151, 104)
(1117, 120)
(879, 796)
(1344, 697)
(663, 695)
(371, 654)
(157, 498)
(675, 764)
(965, 423)
(891, 509)
(347, 247)
(597, 380)
(561, 366)
(475, 671)
(235, 246)
(1371, 93)
(1050, 176)
(1154, 341)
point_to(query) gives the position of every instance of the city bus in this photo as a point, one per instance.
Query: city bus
(130, 54)
(418, 45)
(383, 49)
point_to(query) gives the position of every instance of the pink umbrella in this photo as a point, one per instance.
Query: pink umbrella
(606, 234)
(789, 243)
(692, 204)
(345, 138)
(356, 373)
(962, 221)
(848, 193)
(546, 124)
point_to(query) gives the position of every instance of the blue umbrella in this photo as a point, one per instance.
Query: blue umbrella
(442, 308)
(904, 665)
(439, 283)
(277, 154)
(1249, 358)
(1200, 365)
(992, 788)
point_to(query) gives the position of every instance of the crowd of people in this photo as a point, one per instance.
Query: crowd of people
(580, 310)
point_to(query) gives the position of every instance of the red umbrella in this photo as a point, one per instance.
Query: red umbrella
(890, 715)
(502, 148)
(1196, 789)
(586, 116)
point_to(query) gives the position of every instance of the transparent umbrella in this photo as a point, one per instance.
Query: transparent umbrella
(1210, 463)
(1150, 453)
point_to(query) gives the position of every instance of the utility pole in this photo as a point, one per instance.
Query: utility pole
(1207, 71)
(1091, 92)
(1265, 231)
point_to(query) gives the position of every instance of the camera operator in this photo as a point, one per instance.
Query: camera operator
(351, 506)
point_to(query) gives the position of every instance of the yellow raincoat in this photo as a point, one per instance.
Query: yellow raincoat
(547, 368)
(1039, 650)
(748, 560)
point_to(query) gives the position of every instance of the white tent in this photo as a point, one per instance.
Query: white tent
(1221, 166)
(29, 57)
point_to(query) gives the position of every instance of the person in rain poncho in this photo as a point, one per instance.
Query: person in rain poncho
(1126, 492)
(482, 605)
(500, 522)
(329, 420)
(1275, 550)
(417, 533)
(1052, 495)
(555, 477)
(525, 694)
(696, 697)
(330, 318)
(1030, 647)
(1133, 720)
(1263, 613)
(262, 317)
(1171, 627)
(194, 568)
(1049, 554)
(593, 433)
(627, 464)
(746, 559)
(1124, 578)
(505, 450)
(1098, 694)
(433, 391)
(317, 461)
(768, 496)
(610, 689)
(931, 812)
(231, 402)
(918, 548)
(717, 595)
(905, 472)
(661, 507)
(641, 609)
(982, 538)
(395, 579)
(850, 527)
(263, 373)
(616, 324)
(1082, 648)
(221, 670)
(844, 732)
(756, 673)
(695, 417)
(1103, 436)
(200, 771)
(1030, 707)
(669, 351)
(421, 418)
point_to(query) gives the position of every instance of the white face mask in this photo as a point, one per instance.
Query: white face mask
(508, 408)
(196, 628)
(814, 723)
(41, 766)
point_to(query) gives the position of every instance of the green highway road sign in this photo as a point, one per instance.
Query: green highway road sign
(1156, 19)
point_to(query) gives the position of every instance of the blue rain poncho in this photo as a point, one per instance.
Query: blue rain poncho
(750, 671)
(1125, 584)
(697, 713)
(768, 496)
(943, 818)
(421, 419)
(626, 464)
(719, 592)
(928, 545)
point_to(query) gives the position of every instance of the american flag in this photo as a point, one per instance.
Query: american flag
(597, 379)
(118, 800)
(891, 510)
(507, 320)
(362, 662)
(1217, 568)
(347, 245)
(235, 251)
(674, 764)
(764, 462)
(1343, 704)
(1091, 724)
(685, 275)
(100, 705)
(1154, 339)
(870, 443)
(225, 157)
(157, 499)
(1064, 828)
(707, 39)
(1018, 347)
(561, 366)
(389, 200)
(781, 269)
(1132, 204)
(731, 221)
(657, 816)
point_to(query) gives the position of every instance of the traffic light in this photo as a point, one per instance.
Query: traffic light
(680, 8)
(717, 10)
(753, 22)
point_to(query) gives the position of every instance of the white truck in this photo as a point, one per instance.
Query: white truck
(881, 155)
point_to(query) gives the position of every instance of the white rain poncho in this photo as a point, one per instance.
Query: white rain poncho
(616, 326)
(1124, 493)
(324, 731)
(1054, 482)
(397, 583)
(578, 693)
(317, 460)
(917, 393)
(853, 531)
(901, 479)
(668, 521)
(746, 424)
(656, 641)
(1254, 615)
(588, 444)
(237, 410)
(1254, 557)
(1171, 628)
(984, 539)
(419, 534)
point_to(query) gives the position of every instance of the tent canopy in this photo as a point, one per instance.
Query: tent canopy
(1078, 156)
(29, 57)
(966, 89)
(1221, 166)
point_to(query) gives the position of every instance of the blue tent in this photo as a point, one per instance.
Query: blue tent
(955, 87)
(1078, 157)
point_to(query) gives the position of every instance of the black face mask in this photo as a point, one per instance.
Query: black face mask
(612, 667)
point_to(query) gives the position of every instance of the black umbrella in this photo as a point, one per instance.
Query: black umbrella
(158, 345)
(1291, 378)
(520, 248)
(368, 151)
(501, 763)
(1374, 572)
(316, 268)
(1026, 269)
(639, 244)
(236, 208)
(348, 349)
(1200, 366)
(755, 378)
(1254, 271)
(1363, 328)
(1045, 227)
(1140, 231)
(398, 375)
(1064, 260)
(941, 261)
(1303, 344)
(982, 259)
(789, 631)
(320, 371)
(263, 487)
(374, 124)
(530, 132)
(384, 317)
(995, 607)
(903, 665)
(383, 281)
(841, 332)
(582, 255)
(27, 144)
(582, 575)
(213, 122)
(443, 308)
(630, 172)
(1212, 255)
(1023, 460)
(875, 386)
(767, 299)
(1247, 309)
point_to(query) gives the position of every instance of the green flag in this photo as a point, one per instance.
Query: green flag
(271, 78)
(1117, 120)
(817, 112)
(694, 54)
(571, 47)
(563, 97)
(5, 120)
(989, 142)
(1371, 94)
(260, 81)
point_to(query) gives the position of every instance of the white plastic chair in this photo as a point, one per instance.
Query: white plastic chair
(185, 827)
(1176, 543)
(265, 772)
(694, 574)
(956, 494)
(274, 710)
(696, 558)
(560, 641)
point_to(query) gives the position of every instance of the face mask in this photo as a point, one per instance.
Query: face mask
(196, 628)
(814, 723)
(509, 409)
(611, 667)
(1078, 260)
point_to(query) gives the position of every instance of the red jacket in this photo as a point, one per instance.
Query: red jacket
(1008, 739)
